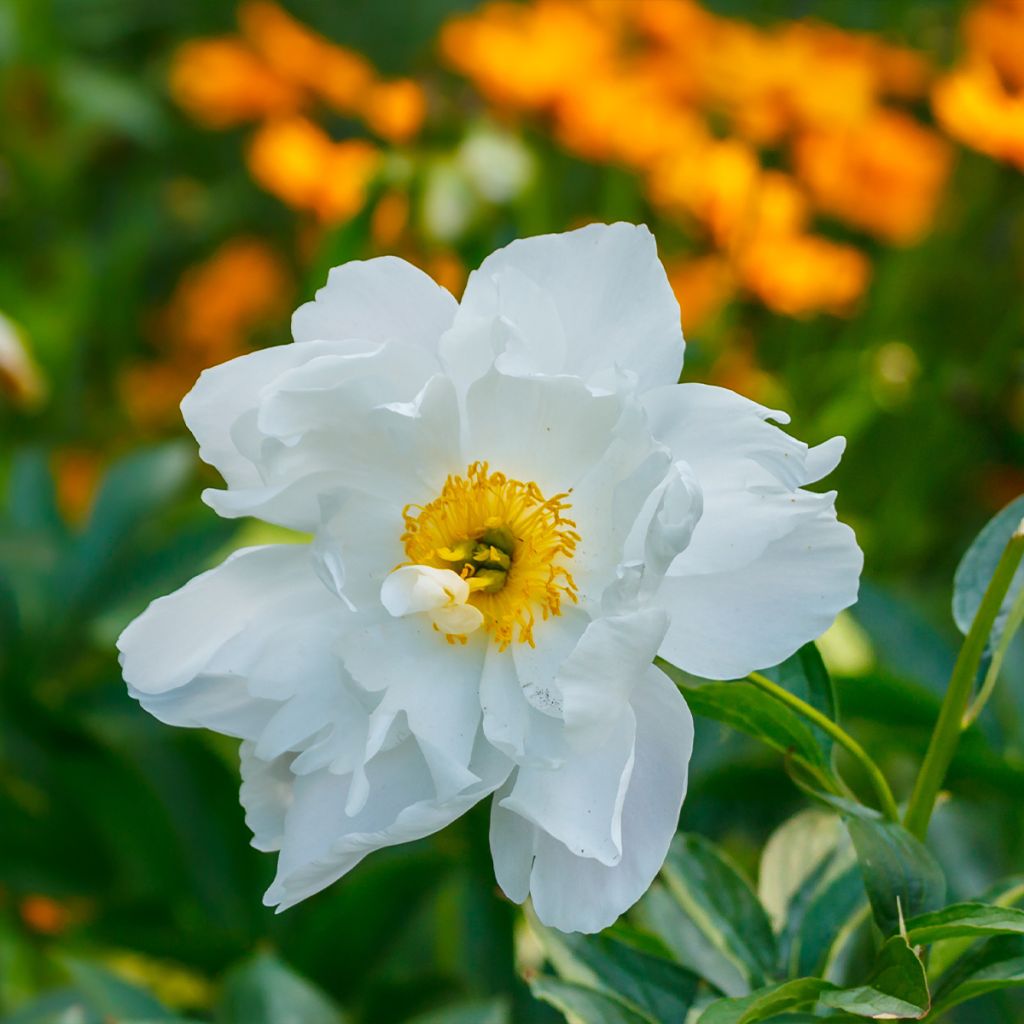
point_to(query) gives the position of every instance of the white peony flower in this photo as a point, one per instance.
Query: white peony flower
(514, 508)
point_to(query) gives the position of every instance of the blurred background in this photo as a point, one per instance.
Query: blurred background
(837, 190)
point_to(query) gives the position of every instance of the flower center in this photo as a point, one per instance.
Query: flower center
(506, 540)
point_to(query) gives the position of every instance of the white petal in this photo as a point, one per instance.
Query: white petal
(724, 625)
(177, 637)
(609, 291)
(579, 804)
(220, 408)
(401, 452)
(383, 299)
(356, 547)
(434, 684)
(581, 894)
(419, 588)
(265, 794)
(548, 430)
(596, 680)
(749, 472)
(511, 722)
(322, 842)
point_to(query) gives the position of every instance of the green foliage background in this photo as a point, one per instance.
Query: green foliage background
(134, 829)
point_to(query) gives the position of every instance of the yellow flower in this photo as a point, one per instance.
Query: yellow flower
(703, 285)
(221, 82)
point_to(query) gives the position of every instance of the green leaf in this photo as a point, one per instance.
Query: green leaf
(900, 875)
(266, 991)
(976, 568)
(744, 707)
(725, 915)
(822, 916)
(804, 675)
(651, 984)
(110, 997)
(766, 1003)
(663, 915)
(490, 1011)
(965, 919)
(997, 963)
(896, 989)
(578, 1002)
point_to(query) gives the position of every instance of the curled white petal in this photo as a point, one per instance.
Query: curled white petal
(441, 593)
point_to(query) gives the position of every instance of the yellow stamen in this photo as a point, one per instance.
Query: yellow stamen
(506, 539)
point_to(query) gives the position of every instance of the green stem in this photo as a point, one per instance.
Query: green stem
(885, 798)
(1013, 622)
(946, 734)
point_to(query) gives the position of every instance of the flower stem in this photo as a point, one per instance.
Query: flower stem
(946, 734)
(886, 800)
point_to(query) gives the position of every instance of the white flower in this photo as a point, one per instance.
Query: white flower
(514, 508)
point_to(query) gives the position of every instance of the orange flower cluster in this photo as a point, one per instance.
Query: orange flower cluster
(688, 100)
(211, 316)
(276, 71)
(981, 101)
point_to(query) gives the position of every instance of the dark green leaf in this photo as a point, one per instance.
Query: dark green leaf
(743, 706)
(265, 991)
(663, 915)
(804, 675)
(900, 875)
(110, 997)
(965, 919)
(720, 903)
(897, 987)
(578, 1002)
(766, 1003)
(491, 1011)
(995, 964)
(976, 568)
(656, 986)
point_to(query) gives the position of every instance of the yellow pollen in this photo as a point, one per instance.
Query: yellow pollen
(506, 540)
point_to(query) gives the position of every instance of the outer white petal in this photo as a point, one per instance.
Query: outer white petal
(383, 299)
(726, 624)
(579, 804)
(322, 841)
(610, 297)
(265, 794)
(177, 637)
(248, 649)
(596, 680)
(399, 451)
(581, 894)
(220, 410)
(748, 471)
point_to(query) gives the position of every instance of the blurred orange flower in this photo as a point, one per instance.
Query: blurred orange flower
(210, 317)
(702, 285)
(527, 56)
(295, 160)
(981, 102)
(801, 274)
(395, 110)
(221, 82)
(338, 75)
(885, 174)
